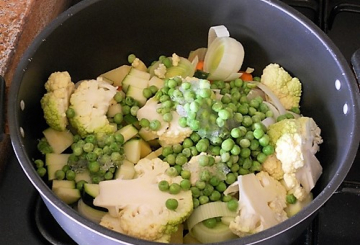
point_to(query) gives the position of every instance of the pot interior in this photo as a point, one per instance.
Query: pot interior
(96, 36)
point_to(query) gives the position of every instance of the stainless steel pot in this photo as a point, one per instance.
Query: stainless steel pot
(97, 35)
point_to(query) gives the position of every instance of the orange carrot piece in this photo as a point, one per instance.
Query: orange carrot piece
(246, 76)
(200, 65)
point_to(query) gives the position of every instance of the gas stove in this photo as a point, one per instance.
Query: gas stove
(25, 219)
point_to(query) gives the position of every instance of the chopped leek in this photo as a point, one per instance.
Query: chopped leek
(219, 233)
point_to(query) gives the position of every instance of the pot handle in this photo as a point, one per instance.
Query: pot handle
(355, 61)
(2, 108)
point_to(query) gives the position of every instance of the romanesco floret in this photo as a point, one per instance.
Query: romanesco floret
(90, 102)
(296, 142)
(56, 101)
(262, 200)
(285, 87)
(141, 212)
(170, 133)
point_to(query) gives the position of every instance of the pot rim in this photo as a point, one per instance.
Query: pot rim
(50, 198)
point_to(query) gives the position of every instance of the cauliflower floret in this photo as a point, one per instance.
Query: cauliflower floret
(296, 142)
(160, 71)
(170, 133)
(90, 102)
(56, 101)
(175, 59)
(285, 87)
(262, 203)
(273, 166)
(142, 212)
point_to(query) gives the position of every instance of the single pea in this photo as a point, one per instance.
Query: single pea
(171, 204)
(258, 133)
(174, 188)
(247, 121)
(214, 181)
(171, 172)
(118, 118)
(221, 187)
(155, 125)
(70, 113)
(227, 144)
(129, 101)
(264, 140)
(235, 150)
(118, 97)
(243, 171)
(163, 185)
(181, 159)
(170, 159)
(203, 199)
(80, 185)
(41, 171)
(195, 191)
(256, 166)
(224, 114)
(230, 178)
(185, 174)
(108, 175)
(268, 150)
(177, 148)
(247, 163)
(196, 202)
(210, 223)
(205, 175)
(91, 156)
(203, 160)
(291, 199)
(215, 196)
(39, 163)
(167, 150)
(227, 198)
(185, 184)
(59, 175)
(94, 166)
(261, 157)
(232, 205)
(183, 122)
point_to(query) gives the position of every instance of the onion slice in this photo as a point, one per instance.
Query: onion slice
(224, 56)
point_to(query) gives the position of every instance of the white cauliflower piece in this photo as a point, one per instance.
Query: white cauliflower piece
(262, 203)
(142, 212)
(170, 133)
(285, 87)
(160, 71)
(273, 166)
(56, 101)
(175, 59)
(90, 102)
(296, 142)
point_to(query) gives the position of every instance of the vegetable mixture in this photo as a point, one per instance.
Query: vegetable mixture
(185, 150)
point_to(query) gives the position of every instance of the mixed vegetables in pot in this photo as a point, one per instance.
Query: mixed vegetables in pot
(185, 150)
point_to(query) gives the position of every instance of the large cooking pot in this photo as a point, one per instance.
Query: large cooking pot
(95, 36)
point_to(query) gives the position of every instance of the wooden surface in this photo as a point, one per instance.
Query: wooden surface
(20, 22)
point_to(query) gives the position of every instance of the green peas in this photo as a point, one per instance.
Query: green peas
(264, 140)
(118, 118)
(227, 144)
(172, 172)
(195, 137)
(208, 190)
(39, 163)
(224, 114)
(129, 101)
(41, 171)
(171, 204)
(155, 125)
(221, 187)
(185, 184)
(235, 133)
(80, 184)
(232, 205)
(230, 178)
(203, 160)
(235, 150)
(203, 199)
(291, 199)
(167, 150)
(177, 148)
(245, 143)
(202, 145)
(247, 121)
(118, 97)
(200, 184)
(205, 175)
(77, 151)
(170, 159)
(119, 138)
(195, 191)
(183, 122)
(163, 185)
(59, 175)
(94, 166)
(70, 113)
(147, 93)
(210, 223)
(261, 157)
(215, 196)
(217, 106)
(205, 93)
(245, 152)
(181, 159)
(268, 150)
(214, 181)
(108, 175)
(167, 117)
(187, 143)
(227, 198)
(258, 133)
(174, 188)
(185, 174)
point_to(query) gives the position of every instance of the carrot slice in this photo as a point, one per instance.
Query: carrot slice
(246, 76)
(200, 65)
